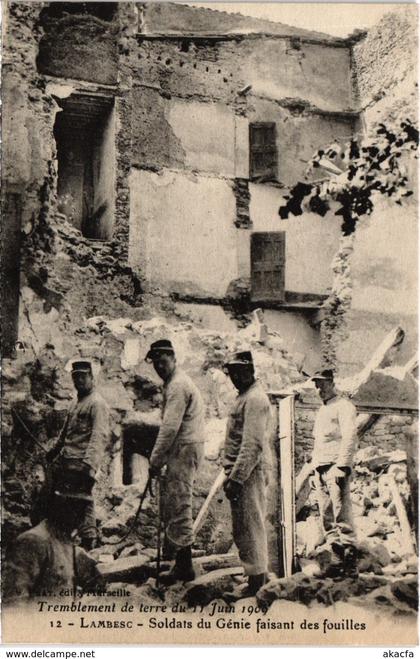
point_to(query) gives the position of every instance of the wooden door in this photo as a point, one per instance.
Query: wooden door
(268, 260)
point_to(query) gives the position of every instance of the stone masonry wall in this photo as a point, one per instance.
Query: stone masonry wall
(385, 66)
(388, 434)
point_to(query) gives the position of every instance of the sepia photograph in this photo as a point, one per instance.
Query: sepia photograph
(210, 323)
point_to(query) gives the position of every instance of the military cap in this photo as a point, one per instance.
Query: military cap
(84, 366)
(243, 358)
(325, 374)
(158, 348)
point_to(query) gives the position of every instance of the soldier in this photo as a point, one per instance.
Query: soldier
(246, 465)
(45, 561)
(78, 454)
(335, 438)
(179, 446)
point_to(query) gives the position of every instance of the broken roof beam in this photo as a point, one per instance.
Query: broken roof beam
(382, 357)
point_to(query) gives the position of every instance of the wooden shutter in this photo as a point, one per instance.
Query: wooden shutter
(268, 260)
(263, 151)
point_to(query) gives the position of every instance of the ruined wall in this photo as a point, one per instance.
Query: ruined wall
(218, 68)
(385, 67)
(189, 118)
(81, 47)
(384, 268)
(383, 264)
(171, 18)
(29, 171)
(182, 231)
(300, 131)
(388, 434)
(104, 176)
(306, 236)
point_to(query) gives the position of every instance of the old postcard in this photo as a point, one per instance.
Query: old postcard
(209, 295)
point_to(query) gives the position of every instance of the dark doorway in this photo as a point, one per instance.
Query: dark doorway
(84, 132)
(138, 443)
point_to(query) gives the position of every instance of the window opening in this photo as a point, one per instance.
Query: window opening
(84, 133)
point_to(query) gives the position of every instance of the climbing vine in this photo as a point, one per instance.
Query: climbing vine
(347, 179)
(352, 174)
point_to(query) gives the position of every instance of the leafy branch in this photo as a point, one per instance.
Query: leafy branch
(353, 173)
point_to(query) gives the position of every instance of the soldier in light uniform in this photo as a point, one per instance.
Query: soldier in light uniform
(246, 464)
(180, 447)
(335, 438)
(79, 452)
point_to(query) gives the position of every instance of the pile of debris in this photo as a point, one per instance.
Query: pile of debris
(38, 390)
(380, 569)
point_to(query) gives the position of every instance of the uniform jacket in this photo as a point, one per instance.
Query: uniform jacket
(335, 433)
(87, 430)
(246, 443)
(182, 417)
(45, 562)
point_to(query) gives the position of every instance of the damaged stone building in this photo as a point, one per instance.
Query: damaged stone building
(147, 147)
(169, 134)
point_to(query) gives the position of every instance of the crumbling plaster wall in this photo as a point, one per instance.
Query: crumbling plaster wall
(384, 268)
(28, 148)
(28, 113)
(311, 241)
(219, 67)
(104, 175)
(80, 48)
(300, 131)
(202, 250)
(384, 259)
(182, 231)
(385, 66)
(188, 117)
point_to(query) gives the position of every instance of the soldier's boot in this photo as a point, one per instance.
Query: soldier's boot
(168, 549)
(183, 569)
(250, 589)
(255, 582)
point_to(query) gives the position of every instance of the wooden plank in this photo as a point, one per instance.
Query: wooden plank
(220, 479)
(406, 534)
(287, 483)
(125, 569)
(383, 355)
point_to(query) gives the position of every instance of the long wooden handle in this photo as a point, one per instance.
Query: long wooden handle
(406, 535)
(221, 477)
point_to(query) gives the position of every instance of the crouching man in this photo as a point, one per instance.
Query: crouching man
(246, 464)
(180, 447)
(45, 561)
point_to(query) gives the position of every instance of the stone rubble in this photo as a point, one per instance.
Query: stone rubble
(37, 386)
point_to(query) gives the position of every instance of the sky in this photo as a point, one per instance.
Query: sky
(338, 19)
